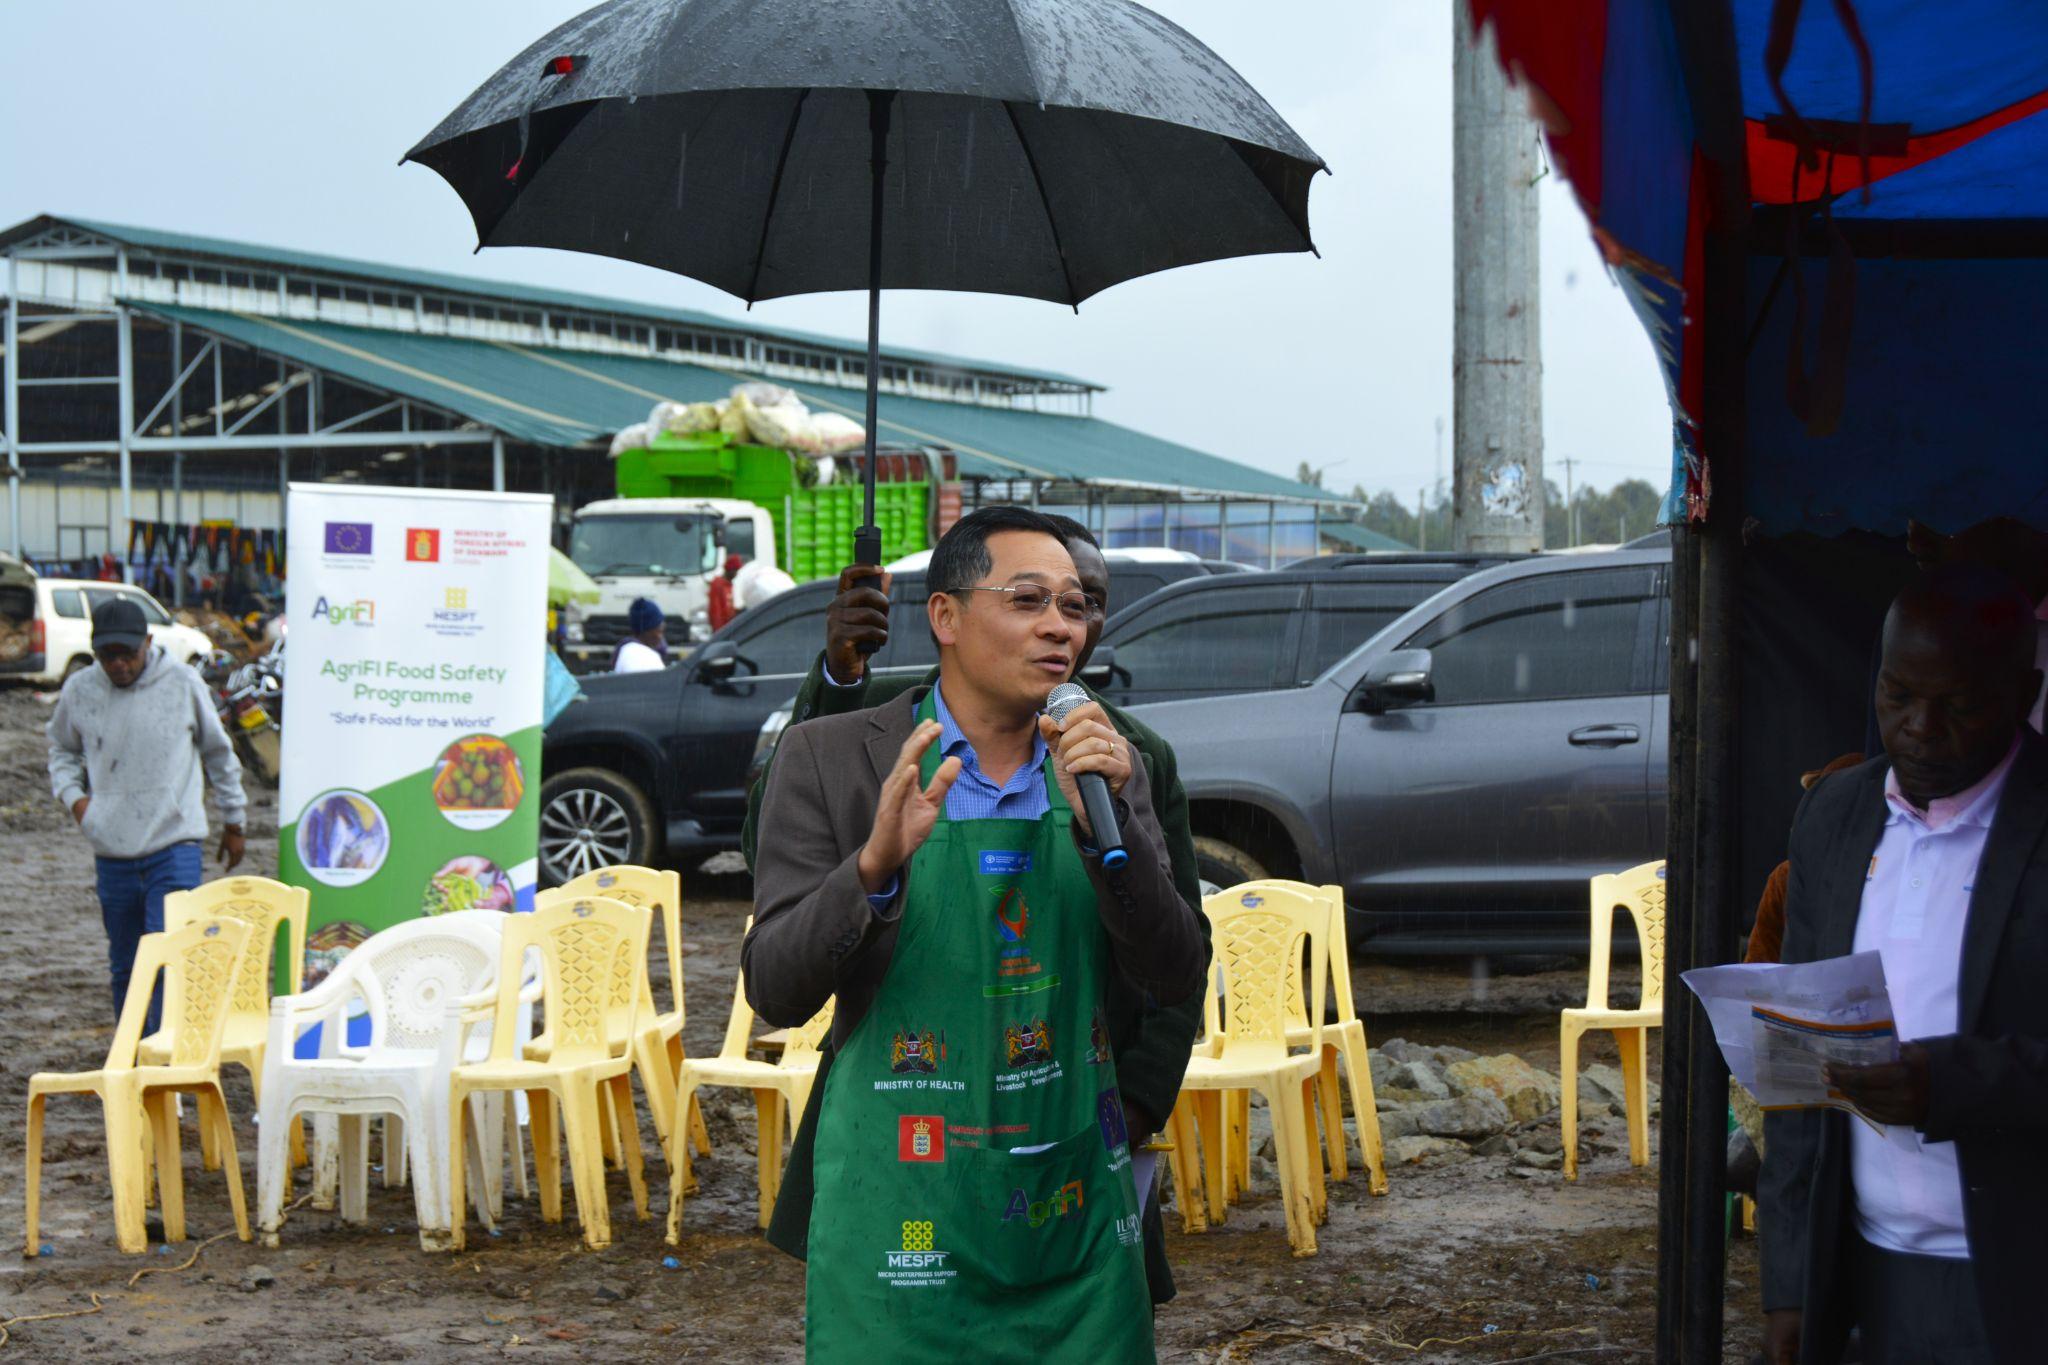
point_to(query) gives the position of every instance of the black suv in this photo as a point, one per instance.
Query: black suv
(659, 761)
(1212, 637)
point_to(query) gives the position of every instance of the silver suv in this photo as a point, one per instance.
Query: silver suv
(1464, 771)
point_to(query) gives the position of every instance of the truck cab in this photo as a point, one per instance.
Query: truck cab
(665, 549)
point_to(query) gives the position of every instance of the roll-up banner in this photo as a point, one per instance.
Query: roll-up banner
(414, 675)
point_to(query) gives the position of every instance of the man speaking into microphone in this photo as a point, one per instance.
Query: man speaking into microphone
(931, 863)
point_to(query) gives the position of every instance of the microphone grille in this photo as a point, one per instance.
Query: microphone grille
(1064, 698)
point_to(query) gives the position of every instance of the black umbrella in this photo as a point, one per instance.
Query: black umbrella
(1046, 148)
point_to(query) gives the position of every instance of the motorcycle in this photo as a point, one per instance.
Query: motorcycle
(250, 701)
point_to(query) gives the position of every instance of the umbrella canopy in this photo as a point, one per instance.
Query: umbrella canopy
(567, 583)
(1043, 148)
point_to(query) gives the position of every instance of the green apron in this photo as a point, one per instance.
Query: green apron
(931, 1239)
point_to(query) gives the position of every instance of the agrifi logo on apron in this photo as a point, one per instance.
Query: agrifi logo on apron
(1038, 1212)
(919, 1265)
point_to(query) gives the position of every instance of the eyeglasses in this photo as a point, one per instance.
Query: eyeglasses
(1030, 600)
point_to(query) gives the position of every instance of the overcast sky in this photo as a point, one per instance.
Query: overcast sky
(282, 123)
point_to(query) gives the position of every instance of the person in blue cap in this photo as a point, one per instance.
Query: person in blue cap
(646, 649)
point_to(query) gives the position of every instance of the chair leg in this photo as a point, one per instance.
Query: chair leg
(516, 1146)
(430, 1202)
(1633, 1043)
(608, 1129)
(273, 1171)
(298, 1143)
(583, 1136)
(394, 1150)
(1332, 1102)
(1568, 1033)
(1238, 1143)
(682, 1177)
(1289, 1141)
(128, 1141)
(1364, 1107)
(211, 1099)
(767, 1147)
(1209, 1107)
(33, 1175)
(547, 1153)
(658, 1083)
(629, 1143)
(458, 1132)
(355, 1168)
(326, 1161)
(1185, 1161)
(1318, 1178)
(699, 1134)
(162, 1109)
(209, 1153)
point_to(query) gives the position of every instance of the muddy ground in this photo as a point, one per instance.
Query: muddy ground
(1465, 1259)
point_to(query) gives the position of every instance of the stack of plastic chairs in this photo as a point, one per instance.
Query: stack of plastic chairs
(1640, 891)
(140, 1101)
(781, 1089)
(268, 908)
(402, 978)
(1259, 929)
(593, 955)
(658, 1051)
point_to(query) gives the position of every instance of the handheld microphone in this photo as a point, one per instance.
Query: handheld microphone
(1094, 790)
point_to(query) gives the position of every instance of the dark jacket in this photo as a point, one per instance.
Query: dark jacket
(1988, 1081)
(1150, 1040)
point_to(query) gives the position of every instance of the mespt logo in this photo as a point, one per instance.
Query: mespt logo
(361, 612)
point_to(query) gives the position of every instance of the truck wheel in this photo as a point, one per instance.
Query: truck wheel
(591, 818)
(1225, 865)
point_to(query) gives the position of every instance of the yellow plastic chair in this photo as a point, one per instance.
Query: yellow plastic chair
(1259, 929)
(1640, 891)
(781, 1088)
(268, 908)
(198, 963)
(1349, 1046)
(658, 1053)
(593, 954)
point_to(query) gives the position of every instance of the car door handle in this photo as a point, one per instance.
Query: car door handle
(1605, 736)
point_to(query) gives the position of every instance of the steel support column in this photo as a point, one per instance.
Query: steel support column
(124, 414)
(178, 461)
(10, 408)
(497, 464)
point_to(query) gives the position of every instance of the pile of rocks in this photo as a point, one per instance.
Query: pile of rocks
(1441, 1104)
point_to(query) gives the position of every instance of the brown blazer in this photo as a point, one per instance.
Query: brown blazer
(815, 934)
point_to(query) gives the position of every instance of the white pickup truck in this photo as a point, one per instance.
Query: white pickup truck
(667, 550)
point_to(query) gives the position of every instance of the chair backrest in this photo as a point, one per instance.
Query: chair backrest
(739, 1025)
(1340, 964)
(408, 974)
(593, 951)
(1640, 891)
(1259, 928)
(804, 1040)
(198, 963)
(267, 907)
(662, 894)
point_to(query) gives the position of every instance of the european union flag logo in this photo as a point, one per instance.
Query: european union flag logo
(348, 537)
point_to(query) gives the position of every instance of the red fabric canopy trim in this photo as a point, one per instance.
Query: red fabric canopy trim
(1773, 160)
(1558, 52)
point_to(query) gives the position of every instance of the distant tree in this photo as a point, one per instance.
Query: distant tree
(1309, 475)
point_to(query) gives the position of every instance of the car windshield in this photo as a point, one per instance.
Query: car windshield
(651, 544)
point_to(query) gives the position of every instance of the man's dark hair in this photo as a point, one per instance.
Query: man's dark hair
(961, 557)
(1072, 530)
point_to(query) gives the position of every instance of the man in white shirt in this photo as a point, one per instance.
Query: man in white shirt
(645, 650)
(1927, 1235)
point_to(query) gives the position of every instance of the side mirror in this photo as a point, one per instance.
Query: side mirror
(720, 662)
(1102, 671)
(1399, 679)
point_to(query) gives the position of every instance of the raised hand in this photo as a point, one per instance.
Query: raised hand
(906, 811)
(1087, 743)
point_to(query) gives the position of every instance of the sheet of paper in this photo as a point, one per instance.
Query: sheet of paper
(1778, 1025)
(1142, 1165)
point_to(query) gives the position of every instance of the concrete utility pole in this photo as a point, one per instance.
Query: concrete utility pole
(1496, 347)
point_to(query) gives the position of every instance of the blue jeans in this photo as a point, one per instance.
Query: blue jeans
(132, 894)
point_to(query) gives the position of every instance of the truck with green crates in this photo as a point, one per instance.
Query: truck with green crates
(687, 502)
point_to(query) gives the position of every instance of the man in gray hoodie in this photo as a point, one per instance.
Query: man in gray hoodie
(127, 742)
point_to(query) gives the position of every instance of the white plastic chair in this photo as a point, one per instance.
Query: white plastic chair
(404, 976)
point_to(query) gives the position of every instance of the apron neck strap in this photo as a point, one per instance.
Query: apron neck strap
(928, 767)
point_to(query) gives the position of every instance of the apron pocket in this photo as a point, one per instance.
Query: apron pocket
(1040, 1218)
